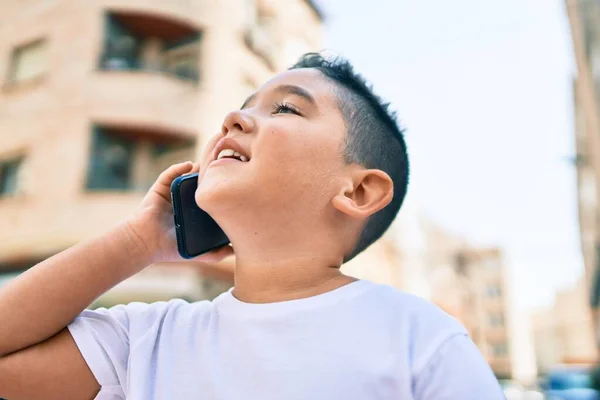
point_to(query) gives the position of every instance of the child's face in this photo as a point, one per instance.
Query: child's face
(295, 148)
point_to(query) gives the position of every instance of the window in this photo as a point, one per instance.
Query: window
(131, 159)
(9, 173)
(149, 43)
(493, 291)
(496, 320)
(28, 62)
(181, 59)
(111, 162)
(499, 349)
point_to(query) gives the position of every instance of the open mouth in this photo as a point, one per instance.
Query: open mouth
(228, 148)
(230, 153)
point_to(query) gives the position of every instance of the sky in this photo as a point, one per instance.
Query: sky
(483, 89)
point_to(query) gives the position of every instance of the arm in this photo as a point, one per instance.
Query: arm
(45, 299)
(40, 358)
(51, 370)
(457, 370)
(38, 305)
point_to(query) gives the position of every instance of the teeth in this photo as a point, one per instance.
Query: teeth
(231, 153)
(225, 153)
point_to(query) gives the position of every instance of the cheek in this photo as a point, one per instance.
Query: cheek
(300, 159)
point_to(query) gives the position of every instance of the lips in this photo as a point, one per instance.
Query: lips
(229, 148)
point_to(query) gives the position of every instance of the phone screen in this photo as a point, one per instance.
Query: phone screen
(197, 232)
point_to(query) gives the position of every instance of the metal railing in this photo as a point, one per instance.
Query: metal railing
(119, 62)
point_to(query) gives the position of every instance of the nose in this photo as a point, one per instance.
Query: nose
(238, 121)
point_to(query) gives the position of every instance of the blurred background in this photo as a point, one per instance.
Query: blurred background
(500, 100)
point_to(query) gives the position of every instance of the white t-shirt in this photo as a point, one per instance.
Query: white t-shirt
(362, 341)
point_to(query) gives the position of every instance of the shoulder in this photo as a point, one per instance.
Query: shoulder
(172, 311)
(455, 370)
(418, 324)
(136, 318)
(406, 308)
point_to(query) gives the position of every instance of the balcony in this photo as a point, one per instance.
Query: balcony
(148, 72)
(136, 41)
(141, 98)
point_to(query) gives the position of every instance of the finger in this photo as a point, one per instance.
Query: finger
(168, 175)
(195, 169)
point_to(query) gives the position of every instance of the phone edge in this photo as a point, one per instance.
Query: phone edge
(177, 210)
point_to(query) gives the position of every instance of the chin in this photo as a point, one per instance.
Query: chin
(218, 195)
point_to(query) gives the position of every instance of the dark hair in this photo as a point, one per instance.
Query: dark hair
(374, 139)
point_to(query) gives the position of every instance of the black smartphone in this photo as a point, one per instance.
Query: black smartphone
(197, 233)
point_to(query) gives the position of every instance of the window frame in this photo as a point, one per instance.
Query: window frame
(17, 162)
(92, 182)
(19, 49)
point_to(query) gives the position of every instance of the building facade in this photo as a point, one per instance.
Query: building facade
(470, 283)
(584, 16)
(563, 333)
(98, 97)
(490, 302)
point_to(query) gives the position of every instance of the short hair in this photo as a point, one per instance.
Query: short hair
(374, 138)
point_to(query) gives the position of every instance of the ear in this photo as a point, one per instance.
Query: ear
(369, 191)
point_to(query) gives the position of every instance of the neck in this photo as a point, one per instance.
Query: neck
(300, 258)
(279, 278)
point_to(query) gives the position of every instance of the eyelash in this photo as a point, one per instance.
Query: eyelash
(277, 107)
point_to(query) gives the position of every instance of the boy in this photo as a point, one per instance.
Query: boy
(320, 171)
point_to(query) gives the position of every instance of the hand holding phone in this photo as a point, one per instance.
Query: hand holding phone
(153, 224)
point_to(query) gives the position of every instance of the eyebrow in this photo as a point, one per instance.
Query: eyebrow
(287, 89)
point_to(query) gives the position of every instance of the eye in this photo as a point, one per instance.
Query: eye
(285, 108)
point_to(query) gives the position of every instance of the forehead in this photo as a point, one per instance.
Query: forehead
(309, 79)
